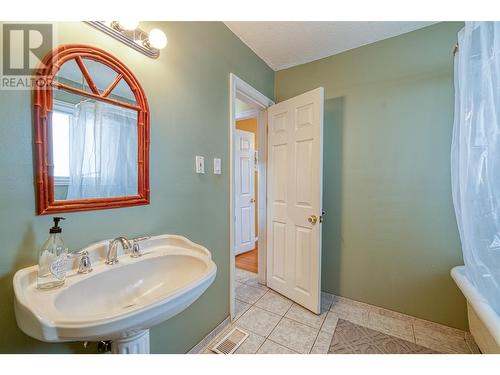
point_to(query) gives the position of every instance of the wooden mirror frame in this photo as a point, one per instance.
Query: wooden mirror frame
(43, 104)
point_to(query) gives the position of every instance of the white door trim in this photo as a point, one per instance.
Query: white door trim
(242, 90)
(251, 113)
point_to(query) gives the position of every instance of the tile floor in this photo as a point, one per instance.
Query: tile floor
(277, 325)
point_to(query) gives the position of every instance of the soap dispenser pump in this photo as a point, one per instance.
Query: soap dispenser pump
(52, 259)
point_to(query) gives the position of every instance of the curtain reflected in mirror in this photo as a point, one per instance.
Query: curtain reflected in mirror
(94, 143)
(94, 150)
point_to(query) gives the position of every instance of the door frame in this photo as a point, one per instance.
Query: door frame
(243, 91)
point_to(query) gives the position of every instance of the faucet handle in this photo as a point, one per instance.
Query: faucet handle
(136, 249)
(85, 265)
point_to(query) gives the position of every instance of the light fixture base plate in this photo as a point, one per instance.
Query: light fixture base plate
(136, 39)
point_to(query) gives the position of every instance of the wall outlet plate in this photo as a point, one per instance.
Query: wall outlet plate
(217, 166)
(200, 164)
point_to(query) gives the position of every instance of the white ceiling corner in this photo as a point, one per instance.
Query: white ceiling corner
(285, 44)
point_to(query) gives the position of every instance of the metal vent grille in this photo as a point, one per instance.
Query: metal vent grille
(229, 343)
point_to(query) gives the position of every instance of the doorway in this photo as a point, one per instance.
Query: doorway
(248, 209)
(276, 218)
(246, 175)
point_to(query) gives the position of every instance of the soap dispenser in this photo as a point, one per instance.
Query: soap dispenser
(52, 259)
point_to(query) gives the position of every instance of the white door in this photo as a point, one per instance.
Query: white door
(244, 175)
(294, 188)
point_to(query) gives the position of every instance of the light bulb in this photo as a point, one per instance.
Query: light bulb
(157, 39)
(129, 25)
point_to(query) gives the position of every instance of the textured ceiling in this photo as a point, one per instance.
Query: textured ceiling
(285, 44)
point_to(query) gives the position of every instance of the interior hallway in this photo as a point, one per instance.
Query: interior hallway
(249, 261)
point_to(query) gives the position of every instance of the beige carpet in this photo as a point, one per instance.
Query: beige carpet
(350, 338)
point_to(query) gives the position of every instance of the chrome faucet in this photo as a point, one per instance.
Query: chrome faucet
(133, 245)
(111, 256)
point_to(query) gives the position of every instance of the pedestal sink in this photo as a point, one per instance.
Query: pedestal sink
(119, 302)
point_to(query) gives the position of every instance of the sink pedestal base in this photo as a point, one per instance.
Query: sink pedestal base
(132, 343)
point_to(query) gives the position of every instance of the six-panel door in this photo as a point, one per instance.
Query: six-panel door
(295, 198)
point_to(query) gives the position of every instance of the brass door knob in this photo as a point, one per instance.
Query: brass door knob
(252, 200)
(313, 219)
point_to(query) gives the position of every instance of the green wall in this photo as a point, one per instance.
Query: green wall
(390, 236)
(187, 89)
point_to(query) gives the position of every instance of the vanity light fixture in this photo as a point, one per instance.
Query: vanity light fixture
(129, 33)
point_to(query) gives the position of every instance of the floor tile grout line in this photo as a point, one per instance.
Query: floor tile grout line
(260, 298)
(321, 326)
(283, 316)
(236, 318)
(267, 337)
(254, 305)
(319, 330)
(279, 321)
(257, 298)
(260, 346)
(413, 330)
(277, 343)
(270, 291)
(315, 339)
(307, 325)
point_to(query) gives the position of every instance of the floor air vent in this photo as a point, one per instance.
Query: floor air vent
(230, 342)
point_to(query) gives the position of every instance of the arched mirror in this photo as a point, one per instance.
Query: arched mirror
(91, 133)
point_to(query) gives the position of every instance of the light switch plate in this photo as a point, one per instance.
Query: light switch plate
(200, 164)
(217, 166)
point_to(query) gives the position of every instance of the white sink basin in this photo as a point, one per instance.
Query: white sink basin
(116, 302)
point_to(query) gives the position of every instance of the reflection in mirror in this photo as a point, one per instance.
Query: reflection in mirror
(123, 93)
(91, 132)
(103, 77)
(94, 148)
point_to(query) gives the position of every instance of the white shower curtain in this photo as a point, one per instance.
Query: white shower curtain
(103, 151)
(475, 156)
